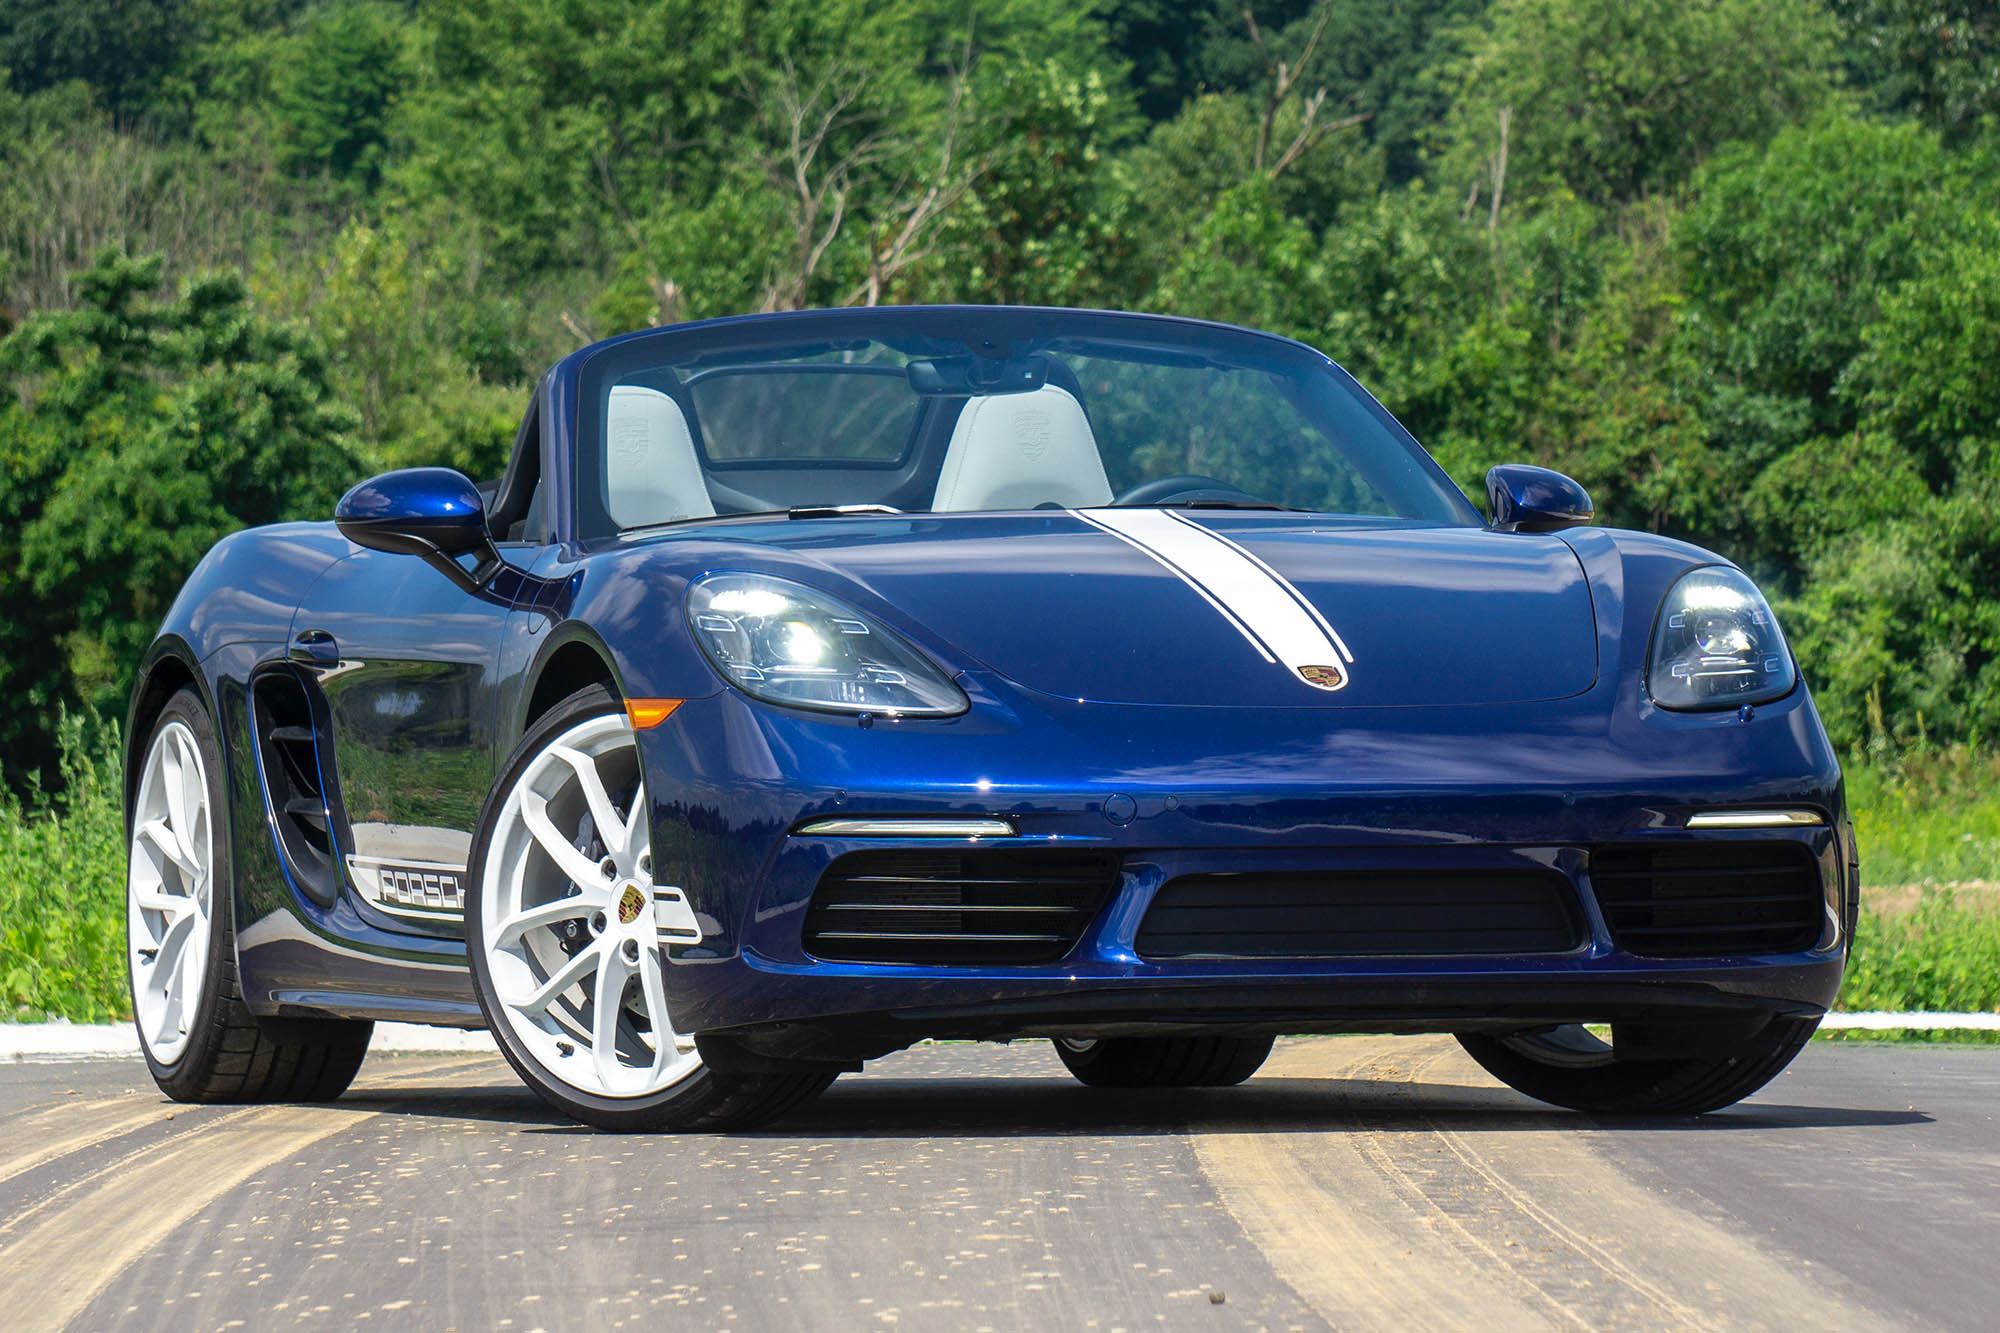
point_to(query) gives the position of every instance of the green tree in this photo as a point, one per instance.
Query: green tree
(1900, 630)
(1787, 253)
(334, 92)
(1614, 99)
(1937, 61)
(119, 47)
(388, 310)
(134, 432)
(1927, 381)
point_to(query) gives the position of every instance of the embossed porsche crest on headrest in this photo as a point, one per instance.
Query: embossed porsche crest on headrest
(1032, 431)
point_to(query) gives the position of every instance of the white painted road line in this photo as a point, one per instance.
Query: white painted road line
(1879, 1022)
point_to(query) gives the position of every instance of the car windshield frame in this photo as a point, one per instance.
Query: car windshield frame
(998, 336)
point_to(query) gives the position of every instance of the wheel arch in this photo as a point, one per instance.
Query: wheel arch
(169, 668)
(575, 659)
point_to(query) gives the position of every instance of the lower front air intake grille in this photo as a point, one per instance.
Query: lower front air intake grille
(1734, 897)
(956, 907)
(1361, 913)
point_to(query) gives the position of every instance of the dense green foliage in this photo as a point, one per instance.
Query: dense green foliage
(139, 433)
(62, 891)
(1735, 264)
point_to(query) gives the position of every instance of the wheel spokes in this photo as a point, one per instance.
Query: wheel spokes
(606, 1006)
(666, 1042)
(548, 914)
(170, 980)
(161, 836)
(167, 891)
(602, 813)
(575, 970)
(578, 868)
(638, 836)
(182, 771)
(173, 906)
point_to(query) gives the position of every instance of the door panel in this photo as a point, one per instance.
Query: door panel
(405, 664)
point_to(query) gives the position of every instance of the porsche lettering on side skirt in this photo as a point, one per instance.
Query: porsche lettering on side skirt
(410, 890)
(1280, 623)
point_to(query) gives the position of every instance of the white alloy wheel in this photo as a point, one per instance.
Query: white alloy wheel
(573, 930)
(170, 891)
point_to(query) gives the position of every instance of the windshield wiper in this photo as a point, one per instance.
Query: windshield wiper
(1220, 503)
(839, 511)
(807, 511)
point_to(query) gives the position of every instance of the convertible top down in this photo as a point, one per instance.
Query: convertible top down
(818, 682)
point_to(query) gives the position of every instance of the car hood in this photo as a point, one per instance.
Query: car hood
(1163, 607)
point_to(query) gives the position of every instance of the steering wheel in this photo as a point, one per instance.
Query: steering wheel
(1182, 488)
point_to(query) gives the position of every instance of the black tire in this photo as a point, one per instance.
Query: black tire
(229, 1055)
(1163, 1062)
(706, 1099)
(1535, 1064)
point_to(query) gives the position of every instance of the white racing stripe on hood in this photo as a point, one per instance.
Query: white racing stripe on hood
(1258, 601)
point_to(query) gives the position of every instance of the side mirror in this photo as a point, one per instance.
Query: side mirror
(1533, 499)
(430, 512)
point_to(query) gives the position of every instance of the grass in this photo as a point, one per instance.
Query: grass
(1929, 817)
(1928, 825)
(1942, 955)
(62, 892)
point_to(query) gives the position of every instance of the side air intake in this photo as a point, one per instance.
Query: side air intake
(1699, 900)
(956, 907)
(295, 782)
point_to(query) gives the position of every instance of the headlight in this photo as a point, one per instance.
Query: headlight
(1716, 645)
(787, 644)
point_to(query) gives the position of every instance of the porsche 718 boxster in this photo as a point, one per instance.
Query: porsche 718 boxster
(813, 684)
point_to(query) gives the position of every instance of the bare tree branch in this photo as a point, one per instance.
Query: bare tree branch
(1500, 170)
(944, 186)
(1284, 76)
(1310, 136)
(666, 292)
(806, 120)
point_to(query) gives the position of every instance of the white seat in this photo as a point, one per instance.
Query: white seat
(651, 474)
(1020, 450)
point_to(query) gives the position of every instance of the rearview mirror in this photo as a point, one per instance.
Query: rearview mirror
(430, 512)
(1523, 498)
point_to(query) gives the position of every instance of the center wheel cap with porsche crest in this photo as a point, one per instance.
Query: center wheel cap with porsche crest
(630, 904)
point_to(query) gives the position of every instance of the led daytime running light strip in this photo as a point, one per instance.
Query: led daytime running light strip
(1721, 819)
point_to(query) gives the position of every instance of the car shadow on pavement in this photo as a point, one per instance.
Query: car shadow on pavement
(928, 1107)
(1042, 1106)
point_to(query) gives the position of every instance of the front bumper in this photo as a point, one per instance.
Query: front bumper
(1181, 791)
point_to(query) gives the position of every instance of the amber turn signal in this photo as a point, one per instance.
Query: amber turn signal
(649, 713)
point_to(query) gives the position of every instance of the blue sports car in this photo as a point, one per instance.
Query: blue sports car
(816, 683)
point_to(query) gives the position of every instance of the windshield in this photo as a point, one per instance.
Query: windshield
(971, 409)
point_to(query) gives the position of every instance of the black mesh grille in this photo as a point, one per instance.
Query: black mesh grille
(956, 907)
(1718, 898)
(1347, 914)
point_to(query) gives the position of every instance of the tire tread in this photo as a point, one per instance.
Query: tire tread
(1166, 1062)
(1659, 1087)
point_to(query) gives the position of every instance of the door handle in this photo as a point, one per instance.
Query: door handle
(315, 648)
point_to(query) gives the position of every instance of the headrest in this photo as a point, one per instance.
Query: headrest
(1020, 450)
(651, 474)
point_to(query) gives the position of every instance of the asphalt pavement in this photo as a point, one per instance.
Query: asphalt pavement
(1357, 1182)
